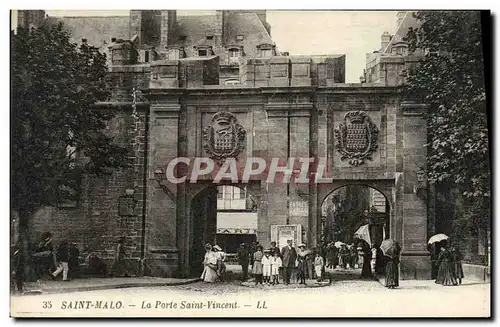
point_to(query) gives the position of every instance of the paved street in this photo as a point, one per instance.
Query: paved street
(346, 296)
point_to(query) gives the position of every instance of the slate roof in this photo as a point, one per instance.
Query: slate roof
(100, 29)
(96, 29)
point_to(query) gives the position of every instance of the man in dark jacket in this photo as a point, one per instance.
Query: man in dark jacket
(74, 261)
(274, 249)
(62, 257)
(243, 256)
(289, 255)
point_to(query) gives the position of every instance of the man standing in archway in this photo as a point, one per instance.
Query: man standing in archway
(289, 256)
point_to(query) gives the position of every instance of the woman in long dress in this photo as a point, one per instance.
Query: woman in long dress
(367, 255)
(457, 264)
(445, 275)
(392, 269)
(210, 264)
(257, 270)
(302, 264)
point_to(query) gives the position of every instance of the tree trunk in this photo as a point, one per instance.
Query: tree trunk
(24, 242)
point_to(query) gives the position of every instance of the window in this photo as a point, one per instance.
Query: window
(234, 53)
(266, 53)
(210, 37)
(146, 56)
(239, 38)
(174, 54)
(202, 53)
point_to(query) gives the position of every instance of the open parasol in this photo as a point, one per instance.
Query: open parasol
(363, 233)
(390, 248)
(338, 244)
(438, 238)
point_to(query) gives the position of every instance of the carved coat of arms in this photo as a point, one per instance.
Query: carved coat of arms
(224, 137)
(356, 138)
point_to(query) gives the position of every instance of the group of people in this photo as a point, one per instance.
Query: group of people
(47, 262)
(358, 254)
(449, 263)
(274, 264)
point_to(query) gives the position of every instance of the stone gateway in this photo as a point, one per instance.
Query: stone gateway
(195, 101)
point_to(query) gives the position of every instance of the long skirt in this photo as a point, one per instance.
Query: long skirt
(366, 270)
(391, 274)
(257, 268)
(445, 274)
(209, 275)
(302, 270)
(458, 270)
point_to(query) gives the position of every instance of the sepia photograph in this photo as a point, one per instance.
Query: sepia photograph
(250, 163)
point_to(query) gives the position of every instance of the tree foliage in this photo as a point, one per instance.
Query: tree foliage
(56, 132)
(451, 80)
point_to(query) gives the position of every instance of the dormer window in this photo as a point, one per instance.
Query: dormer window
(234, 53)
(265, 50)
(203, 51)
(210, 37)
(240, 37)
(175, 53)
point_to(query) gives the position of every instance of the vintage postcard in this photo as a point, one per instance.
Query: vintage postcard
(249, 163)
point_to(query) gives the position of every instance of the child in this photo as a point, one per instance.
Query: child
(318, 266)
(266, 266)
(276, 264)
(257, 265)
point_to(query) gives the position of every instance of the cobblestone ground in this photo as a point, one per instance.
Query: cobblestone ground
(346, 296)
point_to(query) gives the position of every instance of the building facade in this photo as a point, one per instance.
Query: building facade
(176, 87)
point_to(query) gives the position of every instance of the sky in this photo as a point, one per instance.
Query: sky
(353, 33)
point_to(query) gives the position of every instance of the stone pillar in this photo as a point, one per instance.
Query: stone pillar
(300, 114)
(277, 193)
(415, 262)
(161, 238)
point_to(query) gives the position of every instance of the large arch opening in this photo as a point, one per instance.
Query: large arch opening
(359, 217)
(225, 215)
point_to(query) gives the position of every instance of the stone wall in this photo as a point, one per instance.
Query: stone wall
(94, 222)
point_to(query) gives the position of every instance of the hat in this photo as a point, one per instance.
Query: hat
(267, 250)
(302, 245)
(218, 248)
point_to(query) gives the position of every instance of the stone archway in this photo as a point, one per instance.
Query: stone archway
(200, 227)
(386, 187)
(360, 204)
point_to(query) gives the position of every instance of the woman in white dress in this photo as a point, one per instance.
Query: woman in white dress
(209, 274)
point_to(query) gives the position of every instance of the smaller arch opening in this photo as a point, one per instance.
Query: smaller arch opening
(355, 219)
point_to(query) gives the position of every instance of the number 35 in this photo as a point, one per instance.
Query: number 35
(47, 304)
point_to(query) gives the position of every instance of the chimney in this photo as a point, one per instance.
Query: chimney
(168, 22)
(220, 26)
(385, 38)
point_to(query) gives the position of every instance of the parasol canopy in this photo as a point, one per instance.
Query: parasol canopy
(438, 238)
(338, 244)
(390, 248)
(363, 233)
